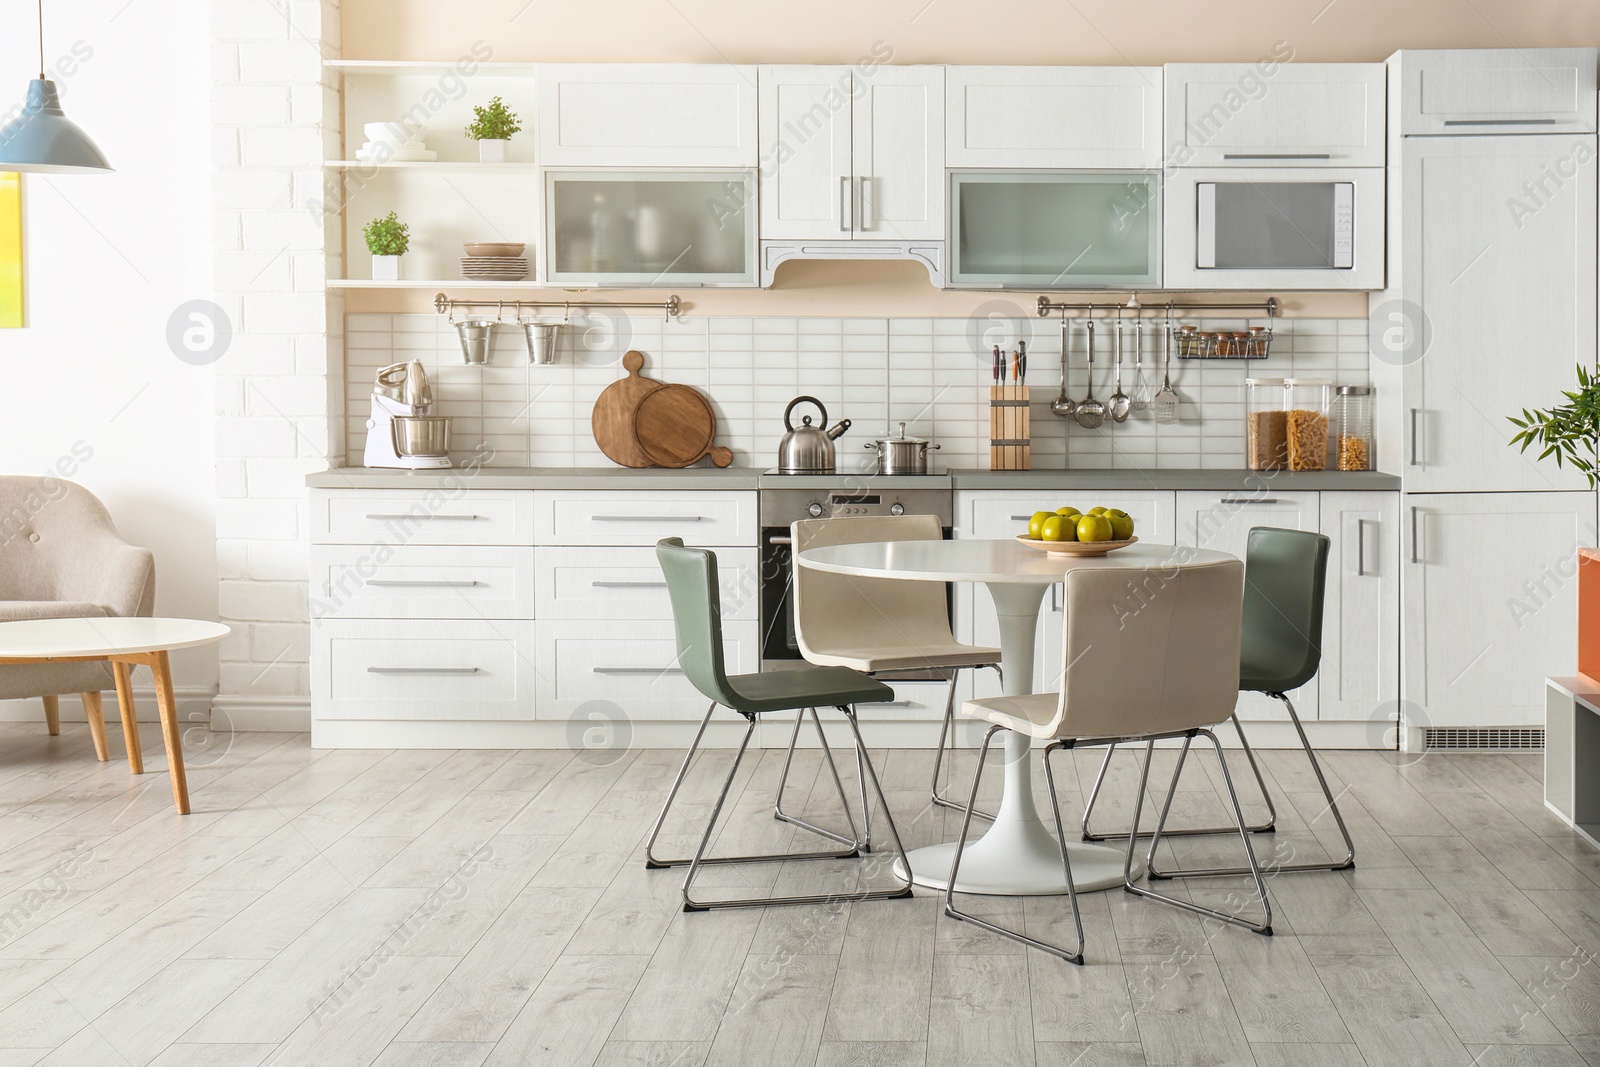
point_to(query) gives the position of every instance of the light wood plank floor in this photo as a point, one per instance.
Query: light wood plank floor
(471, 908)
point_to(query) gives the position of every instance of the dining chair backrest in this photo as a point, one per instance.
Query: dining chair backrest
(1149, 650)
(840, 611)
(1285, 583)
(691, 575)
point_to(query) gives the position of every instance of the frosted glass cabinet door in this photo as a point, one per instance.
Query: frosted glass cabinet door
(1055, 230)
(651, 228)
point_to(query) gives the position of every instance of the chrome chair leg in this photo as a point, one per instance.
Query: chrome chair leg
(1267, 827)
(1349, 860)
(854, 840)
(1254, 869)
(947, 729)
(950, 908)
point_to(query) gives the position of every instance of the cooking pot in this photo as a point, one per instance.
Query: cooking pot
(808, 449)
(902, 454)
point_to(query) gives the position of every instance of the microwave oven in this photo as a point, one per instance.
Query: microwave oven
(1275, 228)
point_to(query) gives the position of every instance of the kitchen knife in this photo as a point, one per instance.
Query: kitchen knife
(997, 359)
(1022, 362)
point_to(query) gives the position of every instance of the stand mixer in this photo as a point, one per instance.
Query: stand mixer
(400, 432)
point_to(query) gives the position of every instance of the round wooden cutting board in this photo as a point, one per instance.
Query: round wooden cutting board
(675, 426)
(612, 420)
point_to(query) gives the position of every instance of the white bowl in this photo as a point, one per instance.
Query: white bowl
(394, 133)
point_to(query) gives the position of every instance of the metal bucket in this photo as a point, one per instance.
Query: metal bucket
(477, 338)
(542, 340)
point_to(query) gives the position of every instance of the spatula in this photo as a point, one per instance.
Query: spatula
(1166, 401)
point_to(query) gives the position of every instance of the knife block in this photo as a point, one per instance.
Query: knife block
(1010, 428)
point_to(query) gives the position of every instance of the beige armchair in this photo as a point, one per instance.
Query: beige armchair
(61, 557)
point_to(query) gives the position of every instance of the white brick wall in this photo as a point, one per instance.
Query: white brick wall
(274, 114)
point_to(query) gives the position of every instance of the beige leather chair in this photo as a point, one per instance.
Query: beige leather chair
(1167, 670)
(878, 625)
(61, 558)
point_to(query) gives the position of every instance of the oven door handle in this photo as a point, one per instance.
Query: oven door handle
(780, 539)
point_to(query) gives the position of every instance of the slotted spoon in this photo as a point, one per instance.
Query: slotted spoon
(1091, 413)
(1166, 401)
(1063, 405)
(1121, 403)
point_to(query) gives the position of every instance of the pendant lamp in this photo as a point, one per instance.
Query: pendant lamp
(42, 139)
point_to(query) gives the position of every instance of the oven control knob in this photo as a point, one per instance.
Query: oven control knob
(814, 510)
(897, 509)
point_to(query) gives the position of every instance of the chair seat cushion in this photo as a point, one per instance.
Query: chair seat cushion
(28, 610)
(901, 658)
(805, 687)
(1259, 677)
(1029, 715)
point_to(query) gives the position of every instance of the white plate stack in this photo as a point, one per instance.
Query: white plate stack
(494, 261)
(394, 142)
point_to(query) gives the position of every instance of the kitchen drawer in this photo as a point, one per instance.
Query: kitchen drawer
(632, 666)
(422, 517)
(708, 519)
(996, 515)
(1497, 90)
(427, 669)
(422, 582)
(921, 702)
(585, 582)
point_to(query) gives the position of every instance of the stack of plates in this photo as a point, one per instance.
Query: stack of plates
(394, 142)
(495, 261)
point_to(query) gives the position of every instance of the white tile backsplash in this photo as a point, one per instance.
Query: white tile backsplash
(932, 373)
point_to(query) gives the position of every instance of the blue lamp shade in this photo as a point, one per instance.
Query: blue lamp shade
(43, 140)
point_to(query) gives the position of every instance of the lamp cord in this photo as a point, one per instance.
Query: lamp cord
(41, 40)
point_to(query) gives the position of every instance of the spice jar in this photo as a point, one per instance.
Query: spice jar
(1188, 341)
(1266, 424)
(1258, 342)
(1306, 423)
(1352, 427)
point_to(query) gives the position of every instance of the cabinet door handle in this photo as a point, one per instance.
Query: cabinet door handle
(1361, 548)
(866, 202)
(422, 670)
(1055, 596)
(420, 583)
(1021, 518)
(383, 517)
(1416, 521)
(885, 704)
(1499, 122)
(1415, 455)
(1276, 155)
(637, 670)
(629, 585)
(845, 217)
(647, 518)
(1249, 500)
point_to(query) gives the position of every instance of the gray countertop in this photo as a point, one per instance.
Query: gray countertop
(623, 478)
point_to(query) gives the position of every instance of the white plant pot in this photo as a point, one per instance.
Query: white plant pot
(492, 150)
(385, 268)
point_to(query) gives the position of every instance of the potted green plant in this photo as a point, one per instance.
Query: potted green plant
(492, 126)
(387, 240)
(1567, 432)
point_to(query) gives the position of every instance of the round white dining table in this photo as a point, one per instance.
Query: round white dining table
(1018, 855)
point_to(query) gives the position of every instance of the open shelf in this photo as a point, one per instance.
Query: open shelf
(425, 66)
(440, 166)
(437, 284)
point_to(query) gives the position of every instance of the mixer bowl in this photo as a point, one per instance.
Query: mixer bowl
(421, 435)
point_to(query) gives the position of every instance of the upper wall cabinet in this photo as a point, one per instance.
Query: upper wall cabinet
(1508, 90)
(647, 115)
(1275, 115)
(852, 154)
(1055, 118)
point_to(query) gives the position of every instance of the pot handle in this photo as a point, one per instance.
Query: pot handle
(926, 448)
(788, 425)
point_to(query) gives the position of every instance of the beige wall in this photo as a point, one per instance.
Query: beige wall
(938, 31)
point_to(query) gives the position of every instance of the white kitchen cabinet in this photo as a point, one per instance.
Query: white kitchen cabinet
(422, 669)
(1286, 115)
(1496, 90)
(1490, 603)
(1053, 117)
(614, 582)
(428, 517)
(629, 665)
(407, 581)
(1496, 248)
(647, 115)
(1359, 677)
(848, 155)
(583, 517)
(1222, 522)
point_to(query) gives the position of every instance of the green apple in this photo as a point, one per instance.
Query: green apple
(1037, 521)
(1053, 529)
(1121, 525)
(1094, 528)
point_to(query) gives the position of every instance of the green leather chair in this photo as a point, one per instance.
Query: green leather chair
(691, 575)
(1285, 582)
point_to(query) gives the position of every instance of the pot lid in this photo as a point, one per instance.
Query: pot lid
(902, 437)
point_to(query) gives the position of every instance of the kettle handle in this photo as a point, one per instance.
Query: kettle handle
(788, 425)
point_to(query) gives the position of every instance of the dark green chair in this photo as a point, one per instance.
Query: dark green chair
(1285, 584)
(691, 575)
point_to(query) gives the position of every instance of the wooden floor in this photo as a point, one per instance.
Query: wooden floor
(487, 907)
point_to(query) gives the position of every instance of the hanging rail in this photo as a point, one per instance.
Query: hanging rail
(445, 305)
(1268, 307)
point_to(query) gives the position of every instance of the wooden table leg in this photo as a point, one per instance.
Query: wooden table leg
(52, 714)
(171, 731)
(130, 716)
(95, 712)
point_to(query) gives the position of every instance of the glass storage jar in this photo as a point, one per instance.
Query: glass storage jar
(1306, 422)
(1266, 424)
(1352, 427)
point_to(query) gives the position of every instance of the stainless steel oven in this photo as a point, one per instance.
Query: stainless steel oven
(780, 507)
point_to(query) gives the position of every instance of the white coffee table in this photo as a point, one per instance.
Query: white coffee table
(1017, 856)
(125, 643)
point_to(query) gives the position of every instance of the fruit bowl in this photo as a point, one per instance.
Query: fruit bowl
(1075, 548)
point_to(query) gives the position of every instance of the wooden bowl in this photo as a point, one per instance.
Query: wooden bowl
(1075, 548)
(496, 249)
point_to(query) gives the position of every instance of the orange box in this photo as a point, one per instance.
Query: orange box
(1589, 612)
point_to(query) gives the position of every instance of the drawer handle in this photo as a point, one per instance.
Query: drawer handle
(429, 583)
(381, 517)
(648, 518)
(629, 585)
(1249, 500)
(1021, 518)
(1499, 122)
(1276, 155)
(422, 670)
(637, 670)
(885, 704)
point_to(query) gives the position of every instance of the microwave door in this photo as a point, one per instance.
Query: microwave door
(1275, 225)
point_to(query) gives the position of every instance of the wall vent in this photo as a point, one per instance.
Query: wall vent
(1483, 738)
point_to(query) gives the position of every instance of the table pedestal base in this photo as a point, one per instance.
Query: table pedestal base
(1019, 865)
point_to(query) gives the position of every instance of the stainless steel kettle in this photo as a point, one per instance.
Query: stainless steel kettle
(808, 449)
